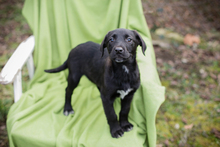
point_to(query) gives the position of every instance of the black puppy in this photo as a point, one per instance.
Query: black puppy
(114, 71)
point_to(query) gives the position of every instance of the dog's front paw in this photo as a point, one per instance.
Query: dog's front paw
(67, 109)
(116, 133)
(127, 127)
(67, 112)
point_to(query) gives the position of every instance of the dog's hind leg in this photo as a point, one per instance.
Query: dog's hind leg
(73, 81)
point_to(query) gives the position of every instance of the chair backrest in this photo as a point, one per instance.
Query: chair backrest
(59, 26)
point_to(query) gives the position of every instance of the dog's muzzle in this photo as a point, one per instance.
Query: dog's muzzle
(121, 55)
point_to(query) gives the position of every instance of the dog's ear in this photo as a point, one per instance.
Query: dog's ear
(140, 41)
(104, 44)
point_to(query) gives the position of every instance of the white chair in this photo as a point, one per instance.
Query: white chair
(11, 73)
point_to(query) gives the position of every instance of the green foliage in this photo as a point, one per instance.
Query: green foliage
(4, 107)
(14, 30)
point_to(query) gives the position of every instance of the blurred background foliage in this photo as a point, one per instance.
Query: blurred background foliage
(186, 39)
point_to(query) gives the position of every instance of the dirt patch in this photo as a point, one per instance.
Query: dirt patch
(183, 16)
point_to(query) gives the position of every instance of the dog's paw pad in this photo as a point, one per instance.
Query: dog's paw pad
(66, 112)
(127, 128)
(71, 112)
(118, 134)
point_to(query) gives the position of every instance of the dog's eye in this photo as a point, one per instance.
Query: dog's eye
(129, 39)
(111, 39)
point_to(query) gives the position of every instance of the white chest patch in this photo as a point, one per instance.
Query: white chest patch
(124, 93)
(125, 68)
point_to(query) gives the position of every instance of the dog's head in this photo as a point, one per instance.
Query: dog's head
(122, 44)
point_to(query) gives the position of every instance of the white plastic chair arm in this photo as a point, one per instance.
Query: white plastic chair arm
(17, 60)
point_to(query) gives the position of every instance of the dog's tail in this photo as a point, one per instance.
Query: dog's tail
(58, 69)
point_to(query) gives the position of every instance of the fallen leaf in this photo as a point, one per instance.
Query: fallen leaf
(216, 133)
(184, 60)
(2, 127)
(213, 76)
(181, 47)
(159, 145)
(161, 44)
(169, 34)
(205, 97)
(217, 100)
(212, 86)
(187, 92)
(184, 120)
(191, 39)
(186, 76)
(159, 60)
(202, 83)
(219, 79)
(171, 63)
(166, 142)
(174, 83)
(175, 36)
(195, 86)
(203, 73)
(177, 126)
(188, 127)
(217, 56)
(213, 44)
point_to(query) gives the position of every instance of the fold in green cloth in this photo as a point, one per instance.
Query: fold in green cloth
(37, 119)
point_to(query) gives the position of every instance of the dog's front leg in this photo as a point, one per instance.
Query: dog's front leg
(115, 129)
(125, 108)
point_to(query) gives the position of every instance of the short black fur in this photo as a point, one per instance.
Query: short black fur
(114, 70)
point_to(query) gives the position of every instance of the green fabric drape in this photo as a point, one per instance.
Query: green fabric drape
(37, 119)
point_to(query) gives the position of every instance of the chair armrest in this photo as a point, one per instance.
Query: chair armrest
(17, 60)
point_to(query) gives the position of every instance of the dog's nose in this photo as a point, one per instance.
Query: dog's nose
(119, 50)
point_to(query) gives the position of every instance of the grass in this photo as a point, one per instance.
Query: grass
(188, 109)
(14, 30)
(191, 110)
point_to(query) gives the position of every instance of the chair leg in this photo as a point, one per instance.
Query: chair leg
(17, 87)
(30, 66)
